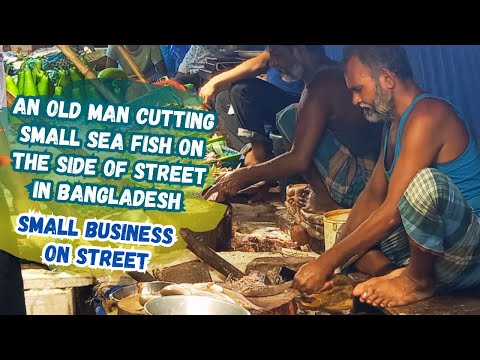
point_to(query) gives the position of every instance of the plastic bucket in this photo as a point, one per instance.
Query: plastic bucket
(332, 221)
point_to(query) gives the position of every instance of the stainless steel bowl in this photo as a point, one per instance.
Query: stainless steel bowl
(192, 305)
(147, 289)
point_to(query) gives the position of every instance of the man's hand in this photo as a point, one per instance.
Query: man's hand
(226, 186)
(207, 92)
(313, 277)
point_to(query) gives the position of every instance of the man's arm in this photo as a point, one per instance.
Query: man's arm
(369, 200)
(373, 262)
(248, 69)
(418, 152)
(312, 115)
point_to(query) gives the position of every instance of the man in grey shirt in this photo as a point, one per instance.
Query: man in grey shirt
(148, 58)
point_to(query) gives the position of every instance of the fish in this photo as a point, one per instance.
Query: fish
(212, 290)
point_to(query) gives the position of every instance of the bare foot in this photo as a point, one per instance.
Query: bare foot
(251, 160)
(401, 290)
(311, 202)
(257, 155)
(294, 193)
(364, 288)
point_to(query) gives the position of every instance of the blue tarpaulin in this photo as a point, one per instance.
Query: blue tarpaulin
(449, 71)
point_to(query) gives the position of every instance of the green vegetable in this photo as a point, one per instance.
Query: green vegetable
(92, 93)
(37, 63)
(75, 75)
(29, 89)
(10, 86)
(40, 74)
(77, 94)
(36, 67)
(217, 147)
(21, 81)
(112, 73)
(78, 91)
(63, 78)
(189, 87)
(43, 86)
(58, 91)
(215, 139)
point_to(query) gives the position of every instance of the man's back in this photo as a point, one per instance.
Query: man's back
(345, 120)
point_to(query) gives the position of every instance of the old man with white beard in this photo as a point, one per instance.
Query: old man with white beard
(332, 144)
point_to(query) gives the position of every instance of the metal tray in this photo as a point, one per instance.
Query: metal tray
(147, 289)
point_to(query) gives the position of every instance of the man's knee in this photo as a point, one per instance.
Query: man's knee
(287, 122)
(222, 101)
(244, 89)
(428, 181)
(425, 191)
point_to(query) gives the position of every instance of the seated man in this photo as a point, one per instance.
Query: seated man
(245, 102)
(423, 198)
(332, 143)
(195, 60)
(148, 58)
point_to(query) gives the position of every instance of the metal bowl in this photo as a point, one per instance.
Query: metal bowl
(147, 289)
(192, 305)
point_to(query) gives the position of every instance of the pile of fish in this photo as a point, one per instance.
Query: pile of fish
(248, 243)
(253, 285)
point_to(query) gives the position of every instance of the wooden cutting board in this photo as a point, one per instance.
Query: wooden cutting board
(190, 272)
(281, 304)
(271, 266)
(335, 301)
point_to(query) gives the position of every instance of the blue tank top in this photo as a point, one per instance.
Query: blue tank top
(464, 171)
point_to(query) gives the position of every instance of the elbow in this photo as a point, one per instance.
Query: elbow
(302, 166)
(392, 217)
(299, 163)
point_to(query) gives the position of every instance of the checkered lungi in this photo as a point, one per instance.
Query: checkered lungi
(343, 174)
(437, 218)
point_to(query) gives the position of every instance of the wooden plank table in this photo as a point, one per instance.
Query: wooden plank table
(460, 303)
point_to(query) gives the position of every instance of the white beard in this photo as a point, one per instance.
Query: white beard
(383, 109)
(295, 73)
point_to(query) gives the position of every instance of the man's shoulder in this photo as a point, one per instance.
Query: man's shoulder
(432, 109)
(430, 116)
(327, 80)
(329, 88)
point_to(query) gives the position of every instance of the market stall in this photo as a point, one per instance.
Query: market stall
(247, 260)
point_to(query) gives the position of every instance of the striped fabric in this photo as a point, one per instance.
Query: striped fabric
(344, 175)
(437, 217)
(396, 247)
